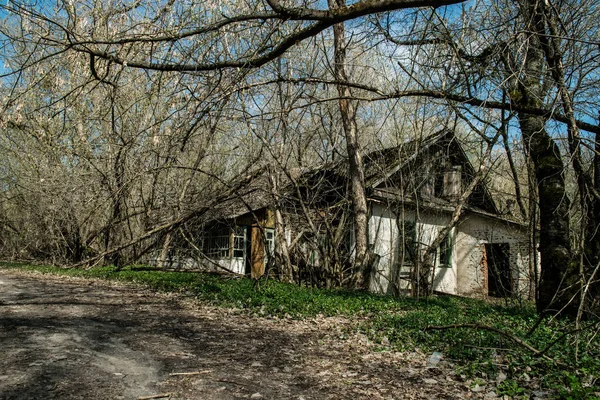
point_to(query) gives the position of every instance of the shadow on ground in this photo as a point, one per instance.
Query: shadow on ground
(78, 339)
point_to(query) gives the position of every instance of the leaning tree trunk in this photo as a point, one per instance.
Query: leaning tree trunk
(355, 165)
(114, 230)
(282, 255)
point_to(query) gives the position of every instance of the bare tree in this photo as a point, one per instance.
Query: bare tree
(535, 60)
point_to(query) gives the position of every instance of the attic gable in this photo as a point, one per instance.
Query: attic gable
(380, 165)
(435, 168)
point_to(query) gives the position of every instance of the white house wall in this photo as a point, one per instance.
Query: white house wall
(471, 276)
(468, 274)
(428, 228)
(183, 263)
(384, 239)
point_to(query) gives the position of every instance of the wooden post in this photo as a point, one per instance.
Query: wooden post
(257, 252)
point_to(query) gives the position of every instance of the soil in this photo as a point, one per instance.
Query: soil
(71, 338)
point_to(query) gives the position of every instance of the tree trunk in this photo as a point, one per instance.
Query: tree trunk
(355, 165)
(555, 247)
(593, 228)
(554, 204)
(282, 255)
(163, 257)
(114, 230)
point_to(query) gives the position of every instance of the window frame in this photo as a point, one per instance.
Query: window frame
(225, 243)
(444, 251)
(269, 243)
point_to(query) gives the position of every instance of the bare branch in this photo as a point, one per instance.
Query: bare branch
(506, 334)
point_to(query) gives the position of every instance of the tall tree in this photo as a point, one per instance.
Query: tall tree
(355, 164)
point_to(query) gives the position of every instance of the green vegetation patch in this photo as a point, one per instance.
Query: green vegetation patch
(569, 365)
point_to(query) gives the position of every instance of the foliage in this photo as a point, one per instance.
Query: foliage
(402, 321)
(511, 389)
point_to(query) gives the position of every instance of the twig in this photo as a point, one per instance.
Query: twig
(233, 382)
(508, 335)
(206, 371)
(565, 334)
(155, 396)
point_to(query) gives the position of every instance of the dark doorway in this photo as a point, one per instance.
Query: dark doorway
(499, 275)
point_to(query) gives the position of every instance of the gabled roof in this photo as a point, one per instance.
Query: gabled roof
(382, 164)
(417, 157)
(329, 181)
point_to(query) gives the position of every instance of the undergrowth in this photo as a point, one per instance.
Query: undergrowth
(570, 371)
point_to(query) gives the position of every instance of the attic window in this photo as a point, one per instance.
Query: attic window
(448, 184)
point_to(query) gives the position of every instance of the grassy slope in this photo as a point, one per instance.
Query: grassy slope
(402, 322)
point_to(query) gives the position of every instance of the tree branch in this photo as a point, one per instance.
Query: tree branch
(322, 19)
(435, 94)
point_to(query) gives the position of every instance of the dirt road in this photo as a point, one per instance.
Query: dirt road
(65, 338)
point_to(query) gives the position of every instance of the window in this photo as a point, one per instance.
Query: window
(239, 242)
(226, 242)
(269, 243)
(445, 252)
(218, 243)
(408, 242)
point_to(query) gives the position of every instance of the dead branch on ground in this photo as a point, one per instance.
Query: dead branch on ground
(506, 334)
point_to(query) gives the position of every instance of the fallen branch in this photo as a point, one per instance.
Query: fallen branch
(174, 224)
(201, 253)
(508, 335)
(155, 396)
(206, 371)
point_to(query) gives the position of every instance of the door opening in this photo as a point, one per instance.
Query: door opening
(500, 282)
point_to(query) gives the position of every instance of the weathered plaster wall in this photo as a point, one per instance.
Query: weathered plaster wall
(474, 233)
(428, 228)
(385, 241)
(383, 237)
(467, 275)
(186, 263)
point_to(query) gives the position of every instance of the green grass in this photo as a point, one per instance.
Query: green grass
(403, 321)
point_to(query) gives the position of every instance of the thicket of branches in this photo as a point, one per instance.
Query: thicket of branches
(124, 121)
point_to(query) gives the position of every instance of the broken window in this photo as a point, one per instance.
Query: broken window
(217, 244)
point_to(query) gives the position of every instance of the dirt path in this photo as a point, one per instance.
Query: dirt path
(64, 338)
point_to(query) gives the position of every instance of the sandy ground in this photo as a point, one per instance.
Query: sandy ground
(66, 338)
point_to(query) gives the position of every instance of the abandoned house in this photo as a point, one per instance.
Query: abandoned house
(413, 190)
